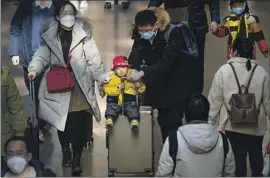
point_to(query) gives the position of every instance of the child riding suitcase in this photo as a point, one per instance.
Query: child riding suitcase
(129, 151)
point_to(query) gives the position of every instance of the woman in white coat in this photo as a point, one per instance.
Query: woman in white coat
(245, 138)
(64, 39)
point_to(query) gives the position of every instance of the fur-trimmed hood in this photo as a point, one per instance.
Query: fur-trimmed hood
(163, 17)
(83, 22)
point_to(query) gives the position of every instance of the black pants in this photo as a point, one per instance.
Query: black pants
(37, 82)
(169, 119)
(242, 145)
(75, 131)
(200, 40)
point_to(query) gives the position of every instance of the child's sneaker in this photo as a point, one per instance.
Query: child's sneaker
(134, 124)
(109, 122)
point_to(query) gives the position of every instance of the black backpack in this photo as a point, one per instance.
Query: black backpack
(173, 148)
(190, 45)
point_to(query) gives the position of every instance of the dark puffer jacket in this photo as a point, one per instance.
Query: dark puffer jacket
(197, 14)
(171, 76)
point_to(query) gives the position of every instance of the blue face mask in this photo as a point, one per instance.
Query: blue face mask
(148, 35)
(238, 10)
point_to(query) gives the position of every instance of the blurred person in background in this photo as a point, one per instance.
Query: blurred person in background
(193, 12)
(24, 39)
(19, 162)
(13, 121)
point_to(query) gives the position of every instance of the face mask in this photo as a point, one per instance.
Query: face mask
(148, 35)
(16, 164)
(238, 10)
(68, 21)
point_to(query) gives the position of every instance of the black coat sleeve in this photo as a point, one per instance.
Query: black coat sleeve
(171, 54)
(134, 58)
(214, 10)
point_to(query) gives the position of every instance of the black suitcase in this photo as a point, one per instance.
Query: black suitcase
(34, 131)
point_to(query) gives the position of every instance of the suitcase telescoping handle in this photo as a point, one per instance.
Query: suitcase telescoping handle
(32, 95)
(123, 92)
(34, 121)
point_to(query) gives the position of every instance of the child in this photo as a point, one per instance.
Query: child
(241, 23)
(113, 88)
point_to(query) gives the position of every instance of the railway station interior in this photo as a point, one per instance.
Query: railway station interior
(112, 33)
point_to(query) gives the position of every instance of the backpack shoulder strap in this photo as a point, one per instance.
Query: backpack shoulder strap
(168, 32)
(251, 75)
(225, 148)
(173, 147)
(236, 78)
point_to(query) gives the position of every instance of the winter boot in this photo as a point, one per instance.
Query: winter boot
(76, 164)
(67, 162)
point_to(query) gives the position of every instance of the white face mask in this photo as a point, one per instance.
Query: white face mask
(68, 20)
(16, 164)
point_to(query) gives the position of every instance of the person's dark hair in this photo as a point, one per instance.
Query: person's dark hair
(58, 8)
(197, 108)
(244, 48)
(60, 4)
(18, 138)
(145, 17)
(246, 8)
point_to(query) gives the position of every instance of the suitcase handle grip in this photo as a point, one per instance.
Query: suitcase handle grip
(30, 78)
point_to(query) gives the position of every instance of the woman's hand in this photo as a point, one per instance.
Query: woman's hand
(32, 75)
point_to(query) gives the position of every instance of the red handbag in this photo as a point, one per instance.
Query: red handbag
(59, 78)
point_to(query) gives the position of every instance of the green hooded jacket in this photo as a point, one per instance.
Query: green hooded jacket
(13, 120)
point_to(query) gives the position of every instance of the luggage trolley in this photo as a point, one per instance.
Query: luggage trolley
(108, 4)
(129, 151)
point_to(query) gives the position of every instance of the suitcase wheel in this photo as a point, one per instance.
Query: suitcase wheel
(125, 5)
(110, 174)
(151, 174)
(107, 5)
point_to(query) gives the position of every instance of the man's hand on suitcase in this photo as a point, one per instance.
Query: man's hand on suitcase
(32, 75)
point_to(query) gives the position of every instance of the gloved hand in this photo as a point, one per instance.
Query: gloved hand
(135, 76)
(15, 60)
